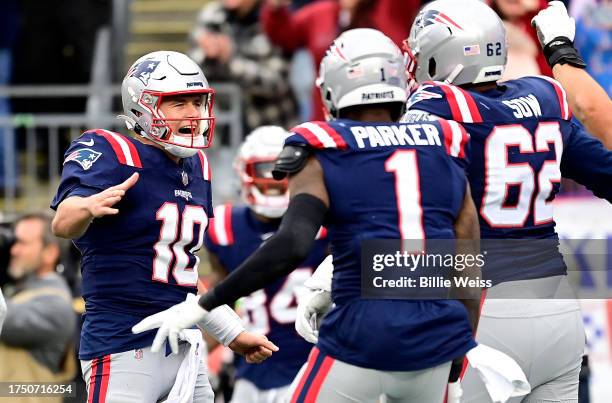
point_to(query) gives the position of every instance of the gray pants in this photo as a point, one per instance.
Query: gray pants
(544, 336)
(339, 382)
(246, 392)
(139, 376)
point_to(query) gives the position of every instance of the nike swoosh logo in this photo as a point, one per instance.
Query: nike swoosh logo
(87, 143)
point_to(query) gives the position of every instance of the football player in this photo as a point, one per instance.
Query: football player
(235, 233)
(366, 177)
(521, 143)
(137, 208)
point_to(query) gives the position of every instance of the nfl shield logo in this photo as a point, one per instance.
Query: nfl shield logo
(138, 354)
(185, 178)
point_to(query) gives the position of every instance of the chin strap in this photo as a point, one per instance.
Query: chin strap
(451, 77)
(129, 122)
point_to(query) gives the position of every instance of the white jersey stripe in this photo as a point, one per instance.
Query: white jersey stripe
(466, 115)
(455, 147)
(320, 134)
(124, 147)
(219, 223)
(205, 167)
(565, 106)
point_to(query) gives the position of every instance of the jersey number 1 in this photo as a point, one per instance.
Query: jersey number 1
(403, 163)
(177, 231)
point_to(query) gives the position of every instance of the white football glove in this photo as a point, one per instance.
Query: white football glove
(553, 22)
(310, 311)
(171, 321)
(321, 279)
(454, 392)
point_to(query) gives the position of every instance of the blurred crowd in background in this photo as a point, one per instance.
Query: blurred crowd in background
(270, 48)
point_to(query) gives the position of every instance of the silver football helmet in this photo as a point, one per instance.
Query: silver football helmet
(456, 41)
(254, 163)
(362, 66)
(162, 74)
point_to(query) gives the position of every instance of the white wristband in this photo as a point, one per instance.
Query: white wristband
(223, 324)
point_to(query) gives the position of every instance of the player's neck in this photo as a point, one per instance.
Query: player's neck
(154, 144)
(371, 115)
(480, 87)
(264, 219)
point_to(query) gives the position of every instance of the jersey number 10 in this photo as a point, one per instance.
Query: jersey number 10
(177, 231)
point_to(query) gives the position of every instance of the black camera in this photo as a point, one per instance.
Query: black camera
(7, 239)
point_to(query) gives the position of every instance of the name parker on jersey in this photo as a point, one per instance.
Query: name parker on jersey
(400, 134)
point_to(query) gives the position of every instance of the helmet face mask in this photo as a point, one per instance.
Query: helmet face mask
(163, 76)
(411, 66)
(457, 41)
(254, 163)
(200, 129)
(361, 67)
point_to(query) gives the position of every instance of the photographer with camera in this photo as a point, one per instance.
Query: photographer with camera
(38, 329)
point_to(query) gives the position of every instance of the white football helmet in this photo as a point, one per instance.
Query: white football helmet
(254, 163)
(362, 66)
(162, 74)
(456, 41)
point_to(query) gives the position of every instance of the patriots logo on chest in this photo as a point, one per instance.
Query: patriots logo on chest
(85, 157)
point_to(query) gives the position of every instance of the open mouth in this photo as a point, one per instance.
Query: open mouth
(185, 130)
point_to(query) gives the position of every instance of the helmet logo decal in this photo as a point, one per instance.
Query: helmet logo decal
(471, 50)
(334, 49)
(376, 95)
(195, 84)
(143, 70)
(432, 17)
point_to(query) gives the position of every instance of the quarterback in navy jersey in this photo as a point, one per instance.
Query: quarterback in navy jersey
(235, 233)
(137, 208)
(522, 142)
(360, 175)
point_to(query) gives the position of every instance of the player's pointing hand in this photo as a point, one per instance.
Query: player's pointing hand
(101, 203)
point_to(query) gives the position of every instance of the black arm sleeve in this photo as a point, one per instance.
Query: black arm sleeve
(277, 257)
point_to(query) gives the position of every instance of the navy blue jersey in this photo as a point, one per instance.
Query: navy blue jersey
(233, 236)
(388, 181)
(522, 143)
(140, 261)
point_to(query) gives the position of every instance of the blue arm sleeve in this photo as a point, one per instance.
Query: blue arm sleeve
(588, 162)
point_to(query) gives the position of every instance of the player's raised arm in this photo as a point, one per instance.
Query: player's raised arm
(75, 213)
(588, 100)
(586, 161)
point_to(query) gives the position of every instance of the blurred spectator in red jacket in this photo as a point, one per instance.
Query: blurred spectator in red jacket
(316, 25)
(524, 54)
